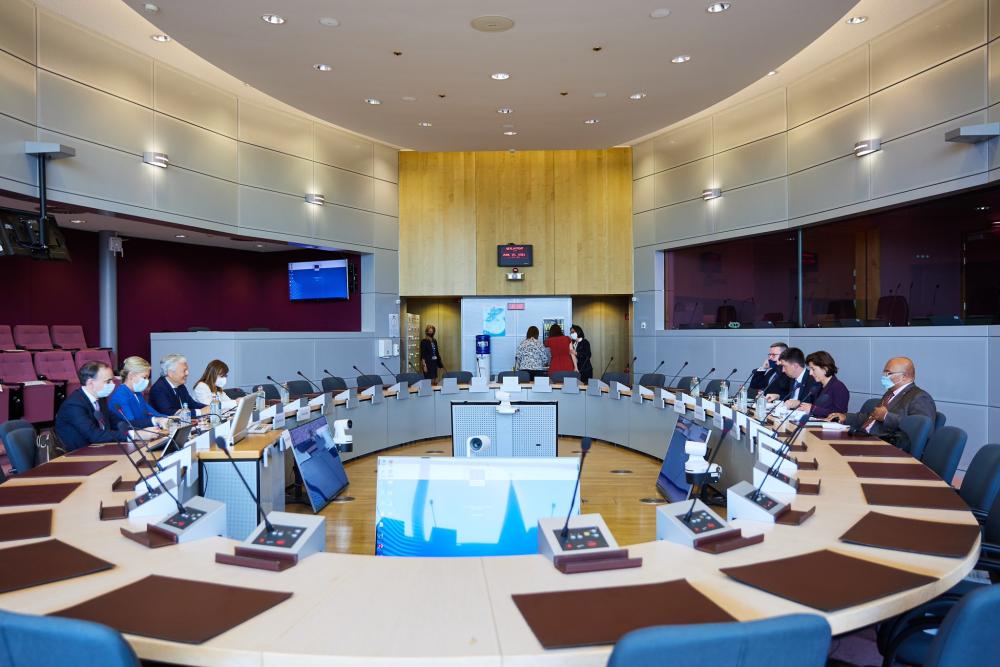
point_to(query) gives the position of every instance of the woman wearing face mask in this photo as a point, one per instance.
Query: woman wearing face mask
(128, 396)
(212, 382)
(430, 354)
(581, 353)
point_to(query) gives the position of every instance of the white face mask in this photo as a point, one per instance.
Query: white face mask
(572, 335)
(221, 381)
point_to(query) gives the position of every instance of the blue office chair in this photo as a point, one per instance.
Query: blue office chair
(49, 641)
(799, 640)
(409, 378)
(869, 405)
(21, 448)
(298, 388)
(234, 393)
(271, 392)
(916, 429)
(940, 420)
(944, 451)
(653, 380)
(981, 483)
(559, 376)
(684, 384)
(463, 377)
(612, 376)
(522, 376)
(333, 383)
(368, 381)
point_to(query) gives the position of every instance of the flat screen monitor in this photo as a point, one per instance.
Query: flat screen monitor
(468, 507)
(241, 418)
(318, 462)
(20, 234)
(324, 279)
(672, 482)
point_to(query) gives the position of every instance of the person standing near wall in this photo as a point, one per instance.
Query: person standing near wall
(530, 354)
(559, 346)
(430, 355)
(581, 353)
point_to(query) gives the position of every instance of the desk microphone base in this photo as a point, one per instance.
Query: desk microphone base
(743, 503)
(295, 536)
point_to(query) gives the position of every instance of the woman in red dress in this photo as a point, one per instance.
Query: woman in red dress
(559, 345)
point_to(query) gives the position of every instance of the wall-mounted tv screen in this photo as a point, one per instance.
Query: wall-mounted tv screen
(514, 255)
(322, 279)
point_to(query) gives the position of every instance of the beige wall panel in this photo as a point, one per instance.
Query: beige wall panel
(682, 183)
(14, 164)
(994, 19)
(272, 170)
(72, 108)
(386, 272)
(386, 198)
(17, 28)
(385, 231)
(994, 117)
(190, 99)
(344, 187)
(683, 221)
(446, 315)
(344, 150)
(643, 228)
(263, 210)
(603, 321)
(925, 158)
(514, 203)
(345, 224)
(760, 161)
(948, 91)
(276, 130)
(97, 61)
(192, 147)
(941, 33)
(829, 186)
(843, 81)
(386, 163)
(437, 223)
(104, 173)
(753, 205)
(642, 159)
(17, 87)
(994, 71)
(827, 137)
(642, 194)
(196, 195)
(685, 144)
(756, 119)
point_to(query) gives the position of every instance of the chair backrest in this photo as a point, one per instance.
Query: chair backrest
(685, 383)
(726, 314)
(522, 376)
(271, 392)
(968, 634)
(32, 336)
(333, 383)
(463, 377)
(297, 388)
(940, 419)
(799, 640)
(13, 425)
(869, 405)
(20, 446)
(991, 527)
(366, 381)
(27, 641)
(982, 479)
(6, 338)
(83, 356)
(557, 377)
(409, 378)
(944, 451)
(234, 393)
(68, 336)
(653, 380)
(612, 376)
(17, 367)
(56, 365)
(894, 309)
(713, 386)
(917, 429)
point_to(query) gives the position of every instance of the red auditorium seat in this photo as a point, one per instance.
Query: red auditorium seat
(98, 354)
(56, 366)
(33, 399)
(6, 338)
(32, 337)
(68, 337)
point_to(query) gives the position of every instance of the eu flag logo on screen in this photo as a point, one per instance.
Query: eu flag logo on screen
(326, 279)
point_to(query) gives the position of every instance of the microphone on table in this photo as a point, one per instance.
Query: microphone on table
(149, 491)
(700, 379)
(780, 401)
(679, 371)
(280, 384)
(299, 373)
(138, 448)
(387, 368)
(731, 374)
(360, 372)
(658, 366)
(584, 448)
(745, 381)
(220, 442)
(328, 373)
(781, 454)
(609, 365)
(631, 364)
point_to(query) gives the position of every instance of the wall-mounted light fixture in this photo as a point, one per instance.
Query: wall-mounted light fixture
(711, 193)
(160, 160)
(973, 134)
(867, 146)
(315, 198)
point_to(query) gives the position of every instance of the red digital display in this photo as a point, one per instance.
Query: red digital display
(515, 306)
(514, 255)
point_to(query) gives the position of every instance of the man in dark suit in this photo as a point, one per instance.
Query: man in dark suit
(769, 378)
(800, 384)
(430, 356)
(83, 418)
(902, 398)
(168, 395)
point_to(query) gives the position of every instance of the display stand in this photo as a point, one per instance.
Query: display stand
(700, 528)
(588, 545)
(292, 538)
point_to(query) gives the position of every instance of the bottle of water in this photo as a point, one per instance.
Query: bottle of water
(283, 393)
(259, 406)
(761, 408)
(724, 392)
(216, 408)
(695, 387)
(185, 414)
(741, 400)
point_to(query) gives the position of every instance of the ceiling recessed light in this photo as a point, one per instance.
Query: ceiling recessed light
(500, 76)
(717, 7)
(592, 121)
(510, 133)
(273, 19)
(680, 59)
(321, 67)
(660, 13)
(637, 96)
(505, 110)
(600, 96)
(329, 22)
(772, 72)
(180, 236)
(151, 8)
(372, 101)
(408, 98)
(160, 37)
(856, 20)
(424, 123)
(78, 222)
(491, 23)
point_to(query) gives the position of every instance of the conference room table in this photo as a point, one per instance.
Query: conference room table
(354, 609)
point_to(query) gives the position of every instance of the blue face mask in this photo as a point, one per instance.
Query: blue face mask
(887, 382)
(773, 364)
(140, 385)
(106, 390)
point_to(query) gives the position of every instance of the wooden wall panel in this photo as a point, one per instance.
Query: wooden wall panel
(446, 315)
(437, 231)
(603, 321)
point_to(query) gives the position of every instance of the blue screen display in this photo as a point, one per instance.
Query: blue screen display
(318, 461)
(468, 507)
(671, 482)
(325, 279)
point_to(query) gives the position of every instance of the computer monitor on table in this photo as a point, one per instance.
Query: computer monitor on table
(672, 482)
(318, 461)
(241, 418)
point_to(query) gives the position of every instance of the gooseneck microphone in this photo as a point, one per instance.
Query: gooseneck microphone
(220, 442)
(584, 448)
(328, 373)
(658, 367)
(138, 448)
(608, 366)
(299, 373)
(360, 372)
(745, 381)
(731, 374)
(781, 454)
(702, 379)
(676, 375)
(387, 368)
(280, 384)
(180, 507)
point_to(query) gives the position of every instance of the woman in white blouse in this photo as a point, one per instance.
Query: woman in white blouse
(531, 354)
(211, 384)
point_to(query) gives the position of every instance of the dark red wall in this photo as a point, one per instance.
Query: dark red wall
(170, 287)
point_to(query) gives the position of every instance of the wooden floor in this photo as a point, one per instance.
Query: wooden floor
(350, 526)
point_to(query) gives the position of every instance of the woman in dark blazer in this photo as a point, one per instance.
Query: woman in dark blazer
(581, 353)
(834, 395)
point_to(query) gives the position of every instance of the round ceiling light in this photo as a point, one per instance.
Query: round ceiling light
(677, 60)
(424, 123)
(500, 76)
(856, 20)
(718, 7)
(592, 121)
(329, 22)
(637, 96)
(510, 133)
(660, 13)
(772, 72)
(180, 236)
(80, 222)
(321, 67)
(491, 23)
(273, 19)
(372, 101)
(160, 37)
(505, 110)
(600, 96)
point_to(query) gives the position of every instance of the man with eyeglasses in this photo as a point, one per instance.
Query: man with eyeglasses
(902, 398)
(769, 378)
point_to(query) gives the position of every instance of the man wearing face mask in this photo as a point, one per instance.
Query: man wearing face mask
(902, 398)
(84, 418)
(430, 355)
(769, 378)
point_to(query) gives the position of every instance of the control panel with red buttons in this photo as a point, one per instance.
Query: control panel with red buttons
(581, 538)
(282, 537)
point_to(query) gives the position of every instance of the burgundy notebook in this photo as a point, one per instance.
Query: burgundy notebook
(883, 450)
(893, 470)
(186, 611)
(952, 540)
(66, 469)
(35, 494)
(102, 450)
(594, 616)
(25, 525)
(44, 562)
(926, 497)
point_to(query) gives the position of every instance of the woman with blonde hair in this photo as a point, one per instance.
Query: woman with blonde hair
(211, 385)
(127, 398)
